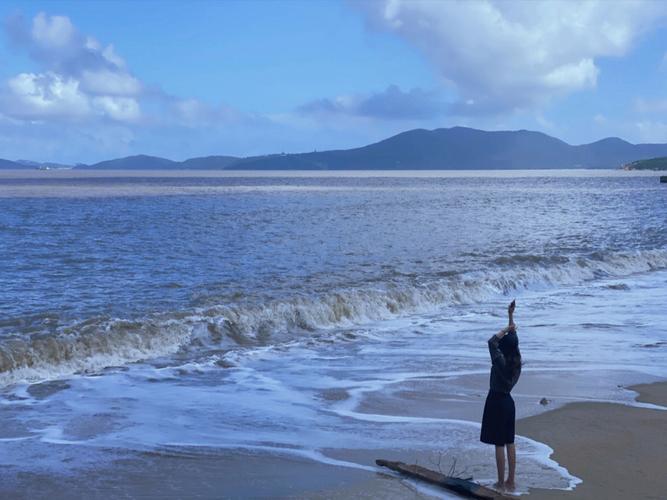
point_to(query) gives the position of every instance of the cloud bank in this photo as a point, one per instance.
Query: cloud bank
(81, 78)
(502, 56)
(84, 103)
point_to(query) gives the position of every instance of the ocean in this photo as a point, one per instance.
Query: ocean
(318, 316)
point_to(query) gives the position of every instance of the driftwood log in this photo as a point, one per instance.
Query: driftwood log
(463, 487)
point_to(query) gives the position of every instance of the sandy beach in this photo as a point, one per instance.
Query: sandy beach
(618, 451)
(624, 458)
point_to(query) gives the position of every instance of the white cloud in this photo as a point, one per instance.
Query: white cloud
(81, 78)
(510, 55)
(45, 95)
(105, 82)
(110, 55)
(56, 43)
(123, 109)
(83, 103)
(579, 75)
(52, 32)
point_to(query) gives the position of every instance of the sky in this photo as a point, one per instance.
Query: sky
(88, 81)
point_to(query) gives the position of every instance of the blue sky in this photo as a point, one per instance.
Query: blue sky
(86, 81)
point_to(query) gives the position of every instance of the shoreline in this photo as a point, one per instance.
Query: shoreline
(629, 466)
(618, 451)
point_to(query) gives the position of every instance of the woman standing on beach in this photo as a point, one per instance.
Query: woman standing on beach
(499, 412)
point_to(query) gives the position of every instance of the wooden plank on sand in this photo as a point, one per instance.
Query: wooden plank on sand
(463, 487)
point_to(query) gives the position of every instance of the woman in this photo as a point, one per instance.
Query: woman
(499, 413)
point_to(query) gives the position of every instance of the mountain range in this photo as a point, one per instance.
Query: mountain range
(440, 149)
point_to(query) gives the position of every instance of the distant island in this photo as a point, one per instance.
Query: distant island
(456, 148)
(650, 164)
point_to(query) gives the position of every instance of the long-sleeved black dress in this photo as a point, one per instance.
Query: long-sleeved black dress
(499, 411)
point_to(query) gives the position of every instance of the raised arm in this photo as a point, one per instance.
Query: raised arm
(497, 357)
(510, 316)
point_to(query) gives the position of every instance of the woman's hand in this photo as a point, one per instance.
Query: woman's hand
(511, 327)
(510, 313)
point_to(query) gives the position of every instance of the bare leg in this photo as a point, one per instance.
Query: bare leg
(511, 463)
(500, 464)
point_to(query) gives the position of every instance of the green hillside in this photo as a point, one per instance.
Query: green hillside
(650, 164)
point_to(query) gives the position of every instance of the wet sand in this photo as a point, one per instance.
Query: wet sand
(618, 451)
(228, 474)
(223, 474)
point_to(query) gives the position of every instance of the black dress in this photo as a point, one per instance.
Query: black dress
(499, 411)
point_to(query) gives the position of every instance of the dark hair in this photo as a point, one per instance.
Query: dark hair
(509, 346)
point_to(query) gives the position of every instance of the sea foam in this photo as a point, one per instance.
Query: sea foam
(96, 343)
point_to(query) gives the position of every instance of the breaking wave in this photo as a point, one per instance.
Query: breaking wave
(97, 343)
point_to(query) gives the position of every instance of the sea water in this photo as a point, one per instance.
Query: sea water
(329, 317)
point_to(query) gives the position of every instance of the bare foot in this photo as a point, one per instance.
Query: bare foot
(509, 485)
(499, 485)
